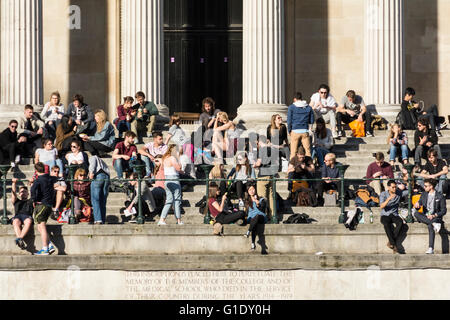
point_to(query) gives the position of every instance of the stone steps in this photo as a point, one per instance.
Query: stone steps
(214, 262)
(193, 239)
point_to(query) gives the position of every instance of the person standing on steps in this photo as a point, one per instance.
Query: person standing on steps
(42, 194)
(300, 119)
(172, 185)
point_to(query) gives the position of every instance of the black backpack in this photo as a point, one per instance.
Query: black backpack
(299, 218)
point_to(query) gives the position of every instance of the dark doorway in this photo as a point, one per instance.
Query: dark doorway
(203, 54)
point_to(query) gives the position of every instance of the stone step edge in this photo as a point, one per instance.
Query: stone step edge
(224, 262)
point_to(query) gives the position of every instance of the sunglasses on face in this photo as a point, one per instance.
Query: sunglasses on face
(13, 127)
(74, 146)
(323, 92)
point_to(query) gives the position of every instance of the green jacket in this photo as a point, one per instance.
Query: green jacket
(151, 108)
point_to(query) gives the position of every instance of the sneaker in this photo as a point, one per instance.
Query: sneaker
(369, 134)
(161, 223)
(19, 242)
(42, 252)
(438, 133)
(253, 246)
(430, 251)
(13, 165)
(443, 126)
(436, 227)
(51, 248)
(133, 219)
(247, 234)
(17, 159)
(180, 223)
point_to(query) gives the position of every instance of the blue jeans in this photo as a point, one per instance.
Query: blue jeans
(149, 165)
(121, 165)
(122, 126)
(393, 152)
(173, 197)
(99, 195)
(57, 162)
(320, 153)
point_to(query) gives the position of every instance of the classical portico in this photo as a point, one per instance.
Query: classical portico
(142, 62)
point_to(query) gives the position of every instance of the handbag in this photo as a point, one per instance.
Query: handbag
(357, 128)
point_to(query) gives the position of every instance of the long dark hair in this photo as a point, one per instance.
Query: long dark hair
(65, 123)
(322, 133)
(248, 198)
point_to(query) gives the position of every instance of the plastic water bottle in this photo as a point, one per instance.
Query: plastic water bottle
(371, 217)
(241, 205)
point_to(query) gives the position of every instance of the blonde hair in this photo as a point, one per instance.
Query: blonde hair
(273, 126)
(223, 115)
(169, 151)
(78, 172)
(102, 122)
(217, 172)
(391, 131)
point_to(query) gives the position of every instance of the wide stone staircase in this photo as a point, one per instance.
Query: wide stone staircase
(324, 244)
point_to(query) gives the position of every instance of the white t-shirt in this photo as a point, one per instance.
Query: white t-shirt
(71, 157)
(47, 155)
(328, 102)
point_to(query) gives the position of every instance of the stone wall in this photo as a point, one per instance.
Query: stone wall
(371, 284)
(82, 60)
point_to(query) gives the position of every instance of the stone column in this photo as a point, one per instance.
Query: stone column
(384, 55)
(142, 51)
(21, 80)
(263, 61)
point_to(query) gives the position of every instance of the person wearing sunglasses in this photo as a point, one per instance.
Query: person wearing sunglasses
(11, 145)
(77, 156)
(324, 105)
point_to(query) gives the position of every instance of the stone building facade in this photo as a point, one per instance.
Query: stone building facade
(106, 49)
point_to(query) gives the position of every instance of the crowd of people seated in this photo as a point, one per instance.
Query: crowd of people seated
(78, 136)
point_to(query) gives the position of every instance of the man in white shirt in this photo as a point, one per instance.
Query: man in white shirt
(324, 105)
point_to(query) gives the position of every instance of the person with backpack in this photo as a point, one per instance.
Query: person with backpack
(256, 216)
(389, 203)
(433, 209)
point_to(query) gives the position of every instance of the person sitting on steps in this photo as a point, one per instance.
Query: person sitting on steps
(352, 108)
